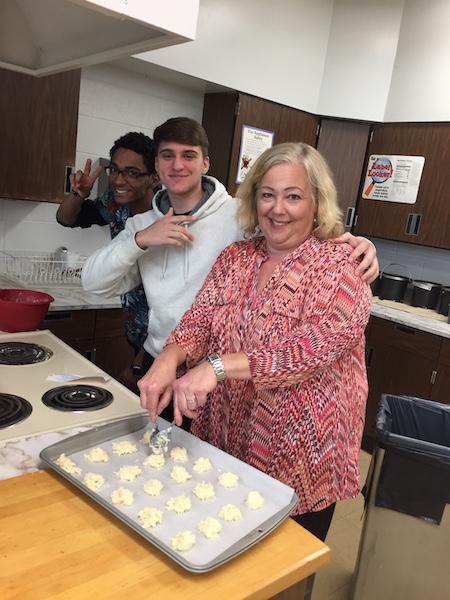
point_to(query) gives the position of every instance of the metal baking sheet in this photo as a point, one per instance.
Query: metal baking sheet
(206, 554)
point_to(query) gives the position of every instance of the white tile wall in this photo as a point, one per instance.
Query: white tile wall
(113, 101)
(429, 264)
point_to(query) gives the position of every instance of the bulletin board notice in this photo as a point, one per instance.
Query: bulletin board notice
(253, 143)
(393, 178)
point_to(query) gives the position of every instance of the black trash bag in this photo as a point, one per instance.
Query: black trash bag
(415, 474)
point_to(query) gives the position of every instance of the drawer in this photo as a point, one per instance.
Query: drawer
(71, 325)
(405, 338)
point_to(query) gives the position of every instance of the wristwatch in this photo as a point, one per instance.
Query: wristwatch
(216, 362)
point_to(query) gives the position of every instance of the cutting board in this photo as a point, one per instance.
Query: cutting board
(57, 543)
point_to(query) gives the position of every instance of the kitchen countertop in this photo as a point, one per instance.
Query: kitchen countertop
(75, 298)
(58, 543)
(67, 297)
(418, 318)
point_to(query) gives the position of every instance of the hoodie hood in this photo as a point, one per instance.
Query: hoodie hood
(213, 198)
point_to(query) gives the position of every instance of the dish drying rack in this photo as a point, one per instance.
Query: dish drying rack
(45, 269)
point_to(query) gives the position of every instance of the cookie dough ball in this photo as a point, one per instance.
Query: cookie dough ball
(202, 465)
(128, 472)
(94, 481)
(230, 512)
(254, 500)
(149, 517)
(204, 491)
(153, 487)
(96, 455)
(122, 496)
(210, 528)
(183, 541)
(228, 480)
(179, 454)
(180, 475)
(67, 465)
(155, 461)
(125, 447)
(179, 504)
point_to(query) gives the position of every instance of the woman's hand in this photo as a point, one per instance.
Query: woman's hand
(363, 249)
(190, 391)
(156, 385)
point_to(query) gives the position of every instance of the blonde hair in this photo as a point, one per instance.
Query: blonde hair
(328, 216)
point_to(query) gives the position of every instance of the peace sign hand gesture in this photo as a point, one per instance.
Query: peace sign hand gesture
(83, 181)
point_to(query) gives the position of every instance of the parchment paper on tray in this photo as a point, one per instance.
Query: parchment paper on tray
(206, 554)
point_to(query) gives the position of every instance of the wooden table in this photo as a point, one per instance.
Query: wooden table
(57, 543)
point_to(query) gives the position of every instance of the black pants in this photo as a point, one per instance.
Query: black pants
(318, 523)
(167, 413)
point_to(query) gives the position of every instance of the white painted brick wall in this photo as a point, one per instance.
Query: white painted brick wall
(113, 101)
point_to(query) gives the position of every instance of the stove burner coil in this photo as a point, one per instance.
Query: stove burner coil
(77, 398)
(13, 409)
(22, 353)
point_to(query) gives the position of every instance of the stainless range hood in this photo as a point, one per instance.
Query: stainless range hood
(41, 37)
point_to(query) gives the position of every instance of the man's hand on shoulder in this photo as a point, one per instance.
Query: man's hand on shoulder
(165, 231)
(364, 250)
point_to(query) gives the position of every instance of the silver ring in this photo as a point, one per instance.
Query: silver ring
(192, 402)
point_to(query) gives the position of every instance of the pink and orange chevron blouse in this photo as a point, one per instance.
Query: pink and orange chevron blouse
(300, 417)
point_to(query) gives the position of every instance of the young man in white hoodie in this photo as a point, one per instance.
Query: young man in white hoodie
(172, 247)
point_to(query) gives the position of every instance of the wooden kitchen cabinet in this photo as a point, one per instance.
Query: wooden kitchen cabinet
(39, 127)
(391, 220)
(99, 335)
(401, 361)
(224, 115)
(344, 144)
(441, 386)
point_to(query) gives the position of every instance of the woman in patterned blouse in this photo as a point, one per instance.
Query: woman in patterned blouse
(281, 320)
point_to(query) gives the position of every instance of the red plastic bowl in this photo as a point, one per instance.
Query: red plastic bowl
(22, 310)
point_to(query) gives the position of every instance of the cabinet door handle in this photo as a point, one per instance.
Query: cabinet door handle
(350, 216)
(405, 329)
(369, 357)
(413, 224)
(433, 377)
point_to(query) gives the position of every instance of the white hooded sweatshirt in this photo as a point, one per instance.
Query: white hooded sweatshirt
(171, 275)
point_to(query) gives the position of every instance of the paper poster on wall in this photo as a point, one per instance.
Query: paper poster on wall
(393, 178)
(253, 143)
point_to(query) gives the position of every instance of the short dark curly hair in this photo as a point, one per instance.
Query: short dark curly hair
(141, 144)
(182, 130)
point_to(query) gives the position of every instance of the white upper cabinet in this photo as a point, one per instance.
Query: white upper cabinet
(49, 36)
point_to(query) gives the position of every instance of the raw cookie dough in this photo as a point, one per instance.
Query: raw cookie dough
(122, 496)
(210, 527)
(230, 512)
(128, 472)
(153, 487)
(204, 491)
(145, 439)
(96, 455)
(228, 480)
(254, 500)
(179, 474)
(93, 481)
(179, 504)
(183, 541)
(155, 461)
(67, 465)
(179, 454)
(202, 465)
(149, 517)
(124, 447)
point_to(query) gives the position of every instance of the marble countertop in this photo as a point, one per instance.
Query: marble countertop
(20, 456)
(67, 297)
(421, 318)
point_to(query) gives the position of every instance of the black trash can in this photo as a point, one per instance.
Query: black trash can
(404, 551)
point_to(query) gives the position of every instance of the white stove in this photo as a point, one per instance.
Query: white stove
(28, 397)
